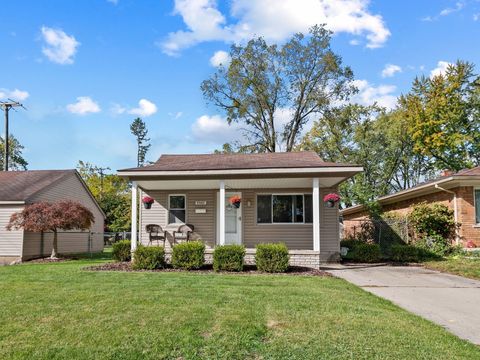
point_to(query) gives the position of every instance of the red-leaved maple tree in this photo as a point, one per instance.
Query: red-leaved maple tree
(52, 216)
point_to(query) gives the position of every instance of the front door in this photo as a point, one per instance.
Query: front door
(233, 219)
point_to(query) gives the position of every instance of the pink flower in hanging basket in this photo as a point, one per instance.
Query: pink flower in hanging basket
(235, 200)
(147, 200)
(332, 197)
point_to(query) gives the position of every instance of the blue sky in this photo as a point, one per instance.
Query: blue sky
(85, 69)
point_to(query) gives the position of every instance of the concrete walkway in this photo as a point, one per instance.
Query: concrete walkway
(448, 300)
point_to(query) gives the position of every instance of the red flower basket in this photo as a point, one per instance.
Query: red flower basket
(235, 200)
(331, 199)
(147, 202)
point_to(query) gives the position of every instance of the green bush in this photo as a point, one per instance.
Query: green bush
(405, 253)
(435, 244)
(188, 255)
(367, 253)
(350, 244)
(228, 258)
(272, 257)
(148, 258)
(121, 250)
(433, 220)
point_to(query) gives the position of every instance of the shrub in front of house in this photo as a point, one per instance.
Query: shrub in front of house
(148, 258)
(188, 255)
(272, 257)
(405, 253)
(366, 253)
(121, 250)
(228, 258)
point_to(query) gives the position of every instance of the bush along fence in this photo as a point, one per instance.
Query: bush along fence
(427, 232)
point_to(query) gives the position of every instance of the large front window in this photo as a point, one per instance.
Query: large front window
(176, 209)
(477, 206)
(284, 208)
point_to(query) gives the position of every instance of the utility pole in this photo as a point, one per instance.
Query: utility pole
(101, 171)
(6, 106)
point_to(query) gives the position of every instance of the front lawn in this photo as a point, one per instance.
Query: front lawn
(60, 311)
(467, 266)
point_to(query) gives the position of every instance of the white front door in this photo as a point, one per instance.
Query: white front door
(233, 219)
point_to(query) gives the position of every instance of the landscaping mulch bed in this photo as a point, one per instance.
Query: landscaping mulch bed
(49, 260)
(207, 269)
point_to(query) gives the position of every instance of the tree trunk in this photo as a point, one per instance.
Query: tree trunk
(54, 246)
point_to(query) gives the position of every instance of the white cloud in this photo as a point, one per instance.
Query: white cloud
(383, 95)
(274, 20)
(18, 95)
(59, 47)
(176, 115)
(459, 5)
(440, 69)
(220, 58)
(83, 106)
(117, 109)
(145, 108)
(476, 17)
(390, 70)
(214, 129)
(114, 2)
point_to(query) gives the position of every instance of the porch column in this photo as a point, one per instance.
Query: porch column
(316, 214)
(221, 204)
(134, 216)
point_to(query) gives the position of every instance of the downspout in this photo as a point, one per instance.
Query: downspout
(455, 211)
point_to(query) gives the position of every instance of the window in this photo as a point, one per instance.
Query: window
(176, 209)
(477, 206)
(284, 209)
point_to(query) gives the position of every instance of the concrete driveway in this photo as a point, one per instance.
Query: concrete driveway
(448, 300)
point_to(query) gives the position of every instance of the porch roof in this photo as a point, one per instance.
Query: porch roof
(293, 169)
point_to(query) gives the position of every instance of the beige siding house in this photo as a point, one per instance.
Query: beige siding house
(280, 201)
(18, 188)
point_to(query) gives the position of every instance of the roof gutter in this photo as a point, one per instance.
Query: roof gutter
(12, 202)
(455, 210)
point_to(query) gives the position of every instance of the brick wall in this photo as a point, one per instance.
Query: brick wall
(465, 207)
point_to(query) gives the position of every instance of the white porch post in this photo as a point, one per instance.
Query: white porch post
(221, 204)
(134, 216)
(316, 214)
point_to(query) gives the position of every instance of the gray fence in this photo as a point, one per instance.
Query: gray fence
(384, 232)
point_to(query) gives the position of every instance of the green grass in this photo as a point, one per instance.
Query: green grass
(458, 265)
(59, 311)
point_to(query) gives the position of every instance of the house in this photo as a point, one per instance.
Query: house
(18, 188)
(459, 191)
(280, 201)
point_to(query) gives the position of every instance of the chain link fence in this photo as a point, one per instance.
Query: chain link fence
(384, 232)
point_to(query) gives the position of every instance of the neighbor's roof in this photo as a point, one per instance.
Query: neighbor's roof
(22, 185)
(305, 159)
(423, 188)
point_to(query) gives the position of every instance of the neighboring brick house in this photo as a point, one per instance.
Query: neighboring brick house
(459, 191)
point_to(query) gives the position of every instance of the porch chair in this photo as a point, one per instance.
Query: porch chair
(155, 233)
(183, 232)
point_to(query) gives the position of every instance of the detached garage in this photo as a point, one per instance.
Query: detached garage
(18, 188)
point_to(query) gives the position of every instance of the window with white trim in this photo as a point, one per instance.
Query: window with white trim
(284, 208)
(176, 209)
(477, 205)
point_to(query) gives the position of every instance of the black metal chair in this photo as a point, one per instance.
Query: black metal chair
(183, 232)
(156, 233)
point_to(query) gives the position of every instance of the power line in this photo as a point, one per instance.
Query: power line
(6, 107)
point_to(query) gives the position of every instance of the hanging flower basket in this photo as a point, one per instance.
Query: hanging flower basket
(235, 200)
(147, 202)
(331, 199)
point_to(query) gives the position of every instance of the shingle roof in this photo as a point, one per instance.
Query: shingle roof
(305, 159)
(21, 185)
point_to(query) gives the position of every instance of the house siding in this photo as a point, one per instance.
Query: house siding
(69, 188)
(10, 241)
(295, 236)
(469, 231)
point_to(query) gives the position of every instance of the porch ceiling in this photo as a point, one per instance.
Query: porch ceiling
(273, 183)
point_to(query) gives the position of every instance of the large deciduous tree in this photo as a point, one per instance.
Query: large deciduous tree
(443, 114)
(139, 129)
(112, 194)
(16, 159)
(46, 216)
(272, 91)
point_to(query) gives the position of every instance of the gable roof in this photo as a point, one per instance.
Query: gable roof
(22, 185)
(279, 160)
(446, 180)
